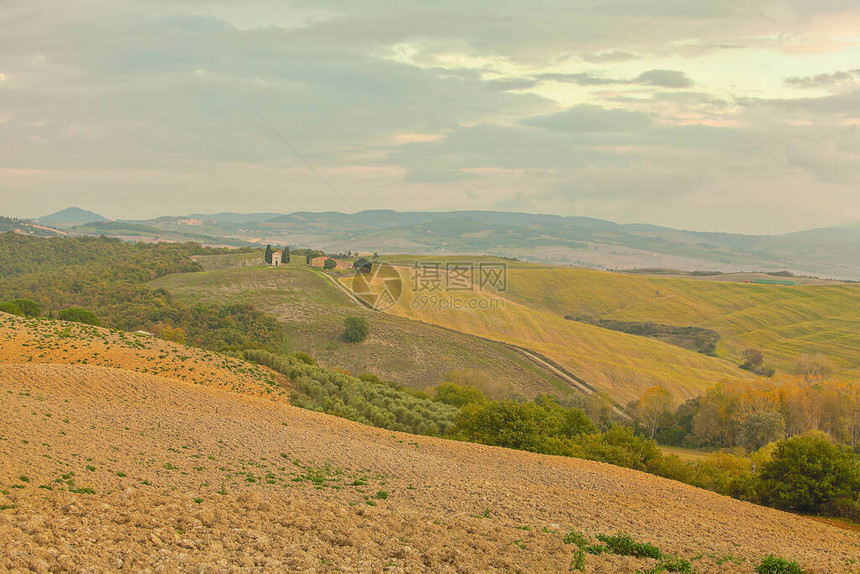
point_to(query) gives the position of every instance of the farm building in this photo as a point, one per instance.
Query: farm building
(276, 258)
(320, 262)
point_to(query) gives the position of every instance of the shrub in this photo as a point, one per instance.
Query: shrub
(78, 315)
(28, 307)
(11, 308)
(330, 264)
(370, 401)
(774, 565)
(808, 471)
(458, 395)
(356, 329)
(623, 545)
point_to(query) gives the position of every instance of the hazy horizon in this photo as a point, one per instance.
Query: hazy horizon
(736, 117)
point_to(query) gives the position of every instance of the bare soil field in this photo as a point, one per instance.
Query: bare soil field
(43, 341)
(104, 469)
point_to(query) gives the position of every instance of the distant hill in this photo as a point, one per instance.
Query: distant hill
(832, 252)
(71, 216)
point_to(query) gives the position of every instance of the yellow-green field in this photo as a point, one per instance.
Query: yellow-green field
(623, 365)
(783, 322)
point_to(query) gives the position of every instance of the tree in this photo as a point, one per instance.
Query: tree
(760, 428)
(285, 258)
(458, 395)
(753, 359)
(11, 308)
(308, 258)
(808, 471)
(708, 425)
(813, 367)
(28, 307)
(355, 330)
(653, 407)
(330, 264)
(78, 315)
(268, 256)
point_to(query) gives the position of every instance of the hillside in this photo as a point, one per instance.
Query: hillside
(102, 468)
(622, 365)
(312, 310)
(782, 321)
(71, 216)
(58, 342)
(829, 252)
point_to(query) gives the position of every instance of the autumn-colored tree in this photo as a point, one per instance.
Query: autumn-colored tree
(653, 407)
(813, 367)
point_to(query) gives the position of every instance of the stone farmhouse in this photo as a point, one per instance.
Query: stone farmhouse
(320, 262)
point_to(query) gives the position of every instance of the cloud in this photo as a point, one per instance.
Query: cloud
(664, 79)
(610, 56)
(657, 78)
(825, 80)
(149, 106)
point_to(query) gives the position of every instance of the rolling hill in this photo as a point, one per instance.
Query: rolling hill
(784, 322)
(106, 468)
(313, 310)
(622, 365)
(71, 216)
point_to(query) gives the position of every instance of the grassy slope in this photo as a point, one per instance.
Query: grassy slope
(782, 321)
(313, 312)
(624, 365)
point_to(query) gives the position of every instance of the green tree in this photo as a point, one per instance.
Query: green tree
(808, 471)
(458, 395)
(28, 307)
(330, 264)
(11, 308)
(268, 256)
(78, 315)
(355, 330)
(758, 429)
(285, 258)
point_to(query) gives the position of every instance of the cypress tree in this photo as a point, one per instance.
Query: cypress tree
(285, 258)
(269, 254)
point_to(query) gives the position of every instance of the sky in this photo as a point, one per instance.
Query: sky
(739, 116)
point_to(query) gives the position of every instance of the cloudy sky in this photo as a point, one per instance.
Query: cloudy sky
(737, 115)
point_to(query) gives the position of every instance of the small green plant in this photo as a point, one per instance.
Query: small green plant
(382, 495)
(578, 562)
(198, 500)
(774, 565)
(576, 537)
(23, 478)
(623, 545)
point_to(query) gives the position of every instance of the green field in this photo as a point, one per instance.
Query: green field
(313, 309)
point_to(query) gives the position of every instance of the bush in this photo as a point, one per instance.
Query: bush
(774, 565)
(28, 308)
(369, 401)
(355, 330)
(809, 471)
(330, 264)
(623, 545)
(458, 395)
(78, 315)
(11, 308)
